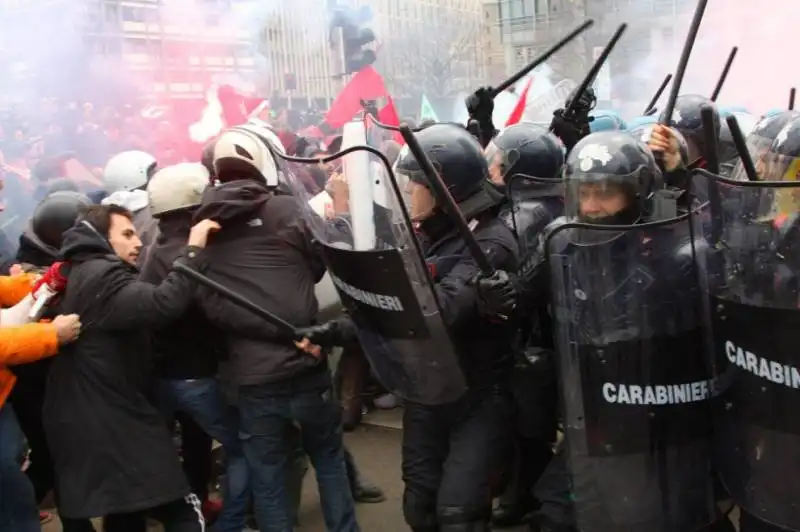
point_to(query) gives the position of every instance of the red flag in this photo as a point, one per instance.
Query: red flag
(236, 107)
(519, 109)
(366, 85)
(388, 115)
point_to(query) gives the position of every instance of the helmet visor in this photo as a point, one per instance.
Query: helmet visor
(500, 161)
(758, 148)
(599, 198)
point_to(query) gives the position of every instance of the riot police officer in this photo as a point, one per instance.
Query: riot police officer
(526, 161)
(686, 118)
(754, 286)
(760, 140)
(452, 451)
(629, 352)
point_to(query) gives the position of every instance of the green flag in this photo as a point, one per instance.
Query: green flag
(426, 111)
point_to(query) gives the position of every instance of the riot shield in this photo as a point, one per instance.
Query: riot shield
(380, 275)
(634, 378)
(748, 273)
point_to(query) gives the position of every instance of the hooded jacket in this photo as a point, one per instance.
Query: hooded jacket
(25, 343)
(111, 449)
(190, 347)
(263, 252)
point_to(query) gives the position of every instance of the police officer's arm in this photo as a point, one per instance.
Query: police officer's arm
(457, 292)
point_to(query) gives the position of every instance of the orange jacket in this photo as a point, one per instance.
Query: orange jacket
(25, 343)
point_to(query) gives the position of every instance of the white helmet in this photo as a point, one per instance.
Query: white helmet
(263, 130)
(244, 148)
(177, 187)
(128, 170)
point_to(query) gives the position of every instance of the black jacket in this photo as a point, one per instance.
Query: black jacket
(484, 347)
(264, 252)
(111, 449)
(189, 347)
(33, 254)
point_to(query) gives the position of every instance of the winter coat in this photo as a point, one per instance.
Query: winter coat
(112, 450)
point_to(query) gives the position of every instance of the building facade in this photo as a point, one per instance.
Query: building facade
(278, 48)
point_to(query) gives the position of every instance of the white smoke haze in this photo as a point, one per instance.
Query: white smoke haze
(761, 75)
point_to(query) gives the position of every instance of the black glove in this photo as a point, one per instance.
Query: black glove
(338, 332)
(497, 295)
(480, 105)
(569, 132)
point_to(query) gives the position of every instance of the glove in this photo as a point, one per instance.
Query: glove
(336, 332)
(53, 279)
(497, 295)
(480, 105)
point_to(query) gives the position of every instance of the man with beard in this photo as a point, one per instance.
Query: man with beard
(112, 451)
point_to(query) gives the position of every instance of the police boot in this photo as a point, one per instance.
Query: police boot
(362, 489)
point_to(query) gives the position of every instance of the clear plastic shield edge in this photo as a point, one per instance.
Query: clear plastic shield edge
(352, 208)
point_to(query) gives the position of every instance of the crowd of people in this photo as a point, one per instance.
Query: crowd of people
(120, 319)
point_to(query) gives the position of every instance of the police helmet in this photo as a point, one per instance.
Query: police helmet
(455, 154)
(177, 187)
(62, 185)
(55, 214)
(760, 140)
(728, 154)
(641, 121)
(524, 148)
(246, 152)
(605, 164)
(644, 132)
(606, 120)
(128, 170)
(687, 119)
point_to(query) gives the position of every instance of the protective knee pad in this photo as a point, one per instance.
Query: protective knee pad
(420, 512)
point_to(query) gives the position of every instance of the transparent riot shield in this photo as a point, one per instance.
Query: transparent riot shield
(375, 263)
(749, 275)
(634, 378)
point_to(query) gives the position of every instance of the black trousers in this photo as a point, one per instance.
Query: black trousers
(183, 515)
(196, 452)
(452, 457)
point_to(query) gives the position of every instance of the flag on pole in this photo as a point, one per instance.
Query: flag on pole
(519, 109)
(426, 111)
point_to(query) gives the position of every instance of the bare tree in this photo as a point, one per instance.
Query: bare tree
(432, 59)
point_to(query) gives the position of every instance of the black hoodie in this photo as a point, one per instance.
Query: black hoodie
(111, 449)
(264, 252)
(189, 347)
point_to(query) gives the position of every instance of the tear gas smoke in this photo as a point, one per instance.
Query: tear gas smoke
(760, 77)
